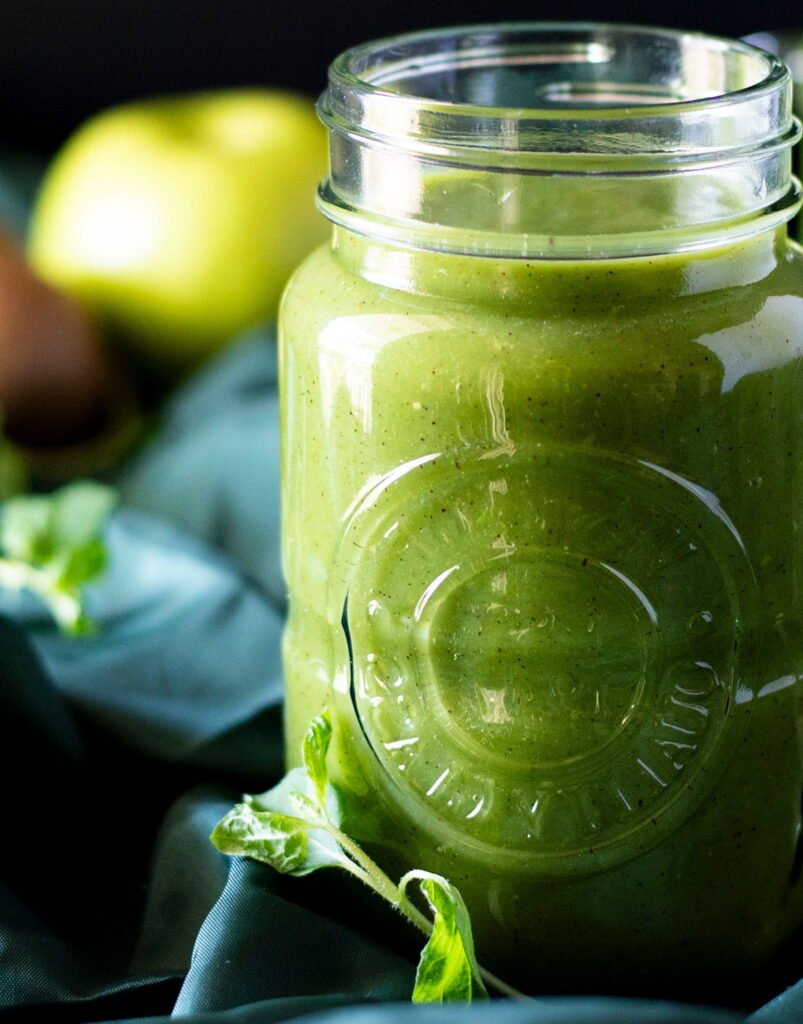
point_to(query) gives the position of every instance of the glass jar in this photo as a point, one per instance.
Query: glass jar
(788, 45)
(542, 491)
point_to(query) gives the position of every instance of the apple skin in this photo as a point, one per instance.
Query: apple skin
(55, 371)
(178, 220)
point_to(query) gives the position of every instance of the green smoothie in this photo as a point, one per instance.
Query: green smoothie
(542, 543)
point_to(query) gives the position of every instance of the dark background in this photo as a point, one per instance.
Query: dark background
(61, 60)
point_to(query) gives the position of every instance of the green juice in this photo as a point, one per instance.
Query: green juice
(542, 542)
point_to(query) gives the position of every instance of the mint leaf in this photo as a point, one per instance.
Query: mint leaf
(279, 799)
(79, 565)
(306, 792)
(79, 511)
(285, 828)
(296, 827)
(314, 750)
(25, 532)
(271, 838)
(447, 970)
(52, 546)
(289, 844)
(297, 795)
(38, 527)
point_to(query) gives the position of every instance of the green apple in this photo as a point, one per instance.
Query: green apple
(178, 220)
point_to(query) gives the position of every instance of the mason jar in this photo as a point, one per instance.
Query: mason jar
(542, 491)
(788, 45)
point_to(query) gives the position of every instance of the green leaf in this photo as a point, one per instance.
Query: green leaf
(283, 827)
(292, 796)
(79, 512)
(314, 750)
(37, 528)
(77, 566)
(279, 799)
(52, 546)
(25, 532)
(447, 970)
(272, 838)
(290, 845)
(296, 827)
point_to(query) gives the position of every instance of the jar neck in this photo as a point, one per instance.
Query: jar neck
(557, 286)
(642, 141)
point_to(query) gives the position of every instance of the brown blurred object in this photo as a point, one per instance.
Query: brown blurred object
(54, 372)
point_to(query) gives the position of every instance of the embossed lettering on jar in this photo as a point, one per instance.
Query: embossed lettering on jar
(541, 494)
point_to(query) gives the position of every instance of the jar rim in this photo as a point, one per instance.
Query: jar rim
(477, 137)
(342, 69)
(786, 44)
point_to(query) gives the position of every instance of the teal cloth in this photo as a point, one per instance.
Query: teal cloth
(119, 752)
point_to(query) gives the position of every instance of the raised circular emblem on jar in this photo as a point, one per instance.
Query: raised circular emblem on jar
(557, 686)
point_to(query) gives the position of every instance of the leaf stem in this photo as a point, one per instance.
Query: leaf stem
(381, 883)
(384, 886)
(502, 987)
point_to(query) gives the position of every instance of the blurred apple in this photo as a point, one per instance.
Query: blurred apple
(55, 372)
(178, 220)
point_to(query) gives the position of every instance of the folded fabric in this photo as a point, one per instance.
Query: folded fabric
(212, 465)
